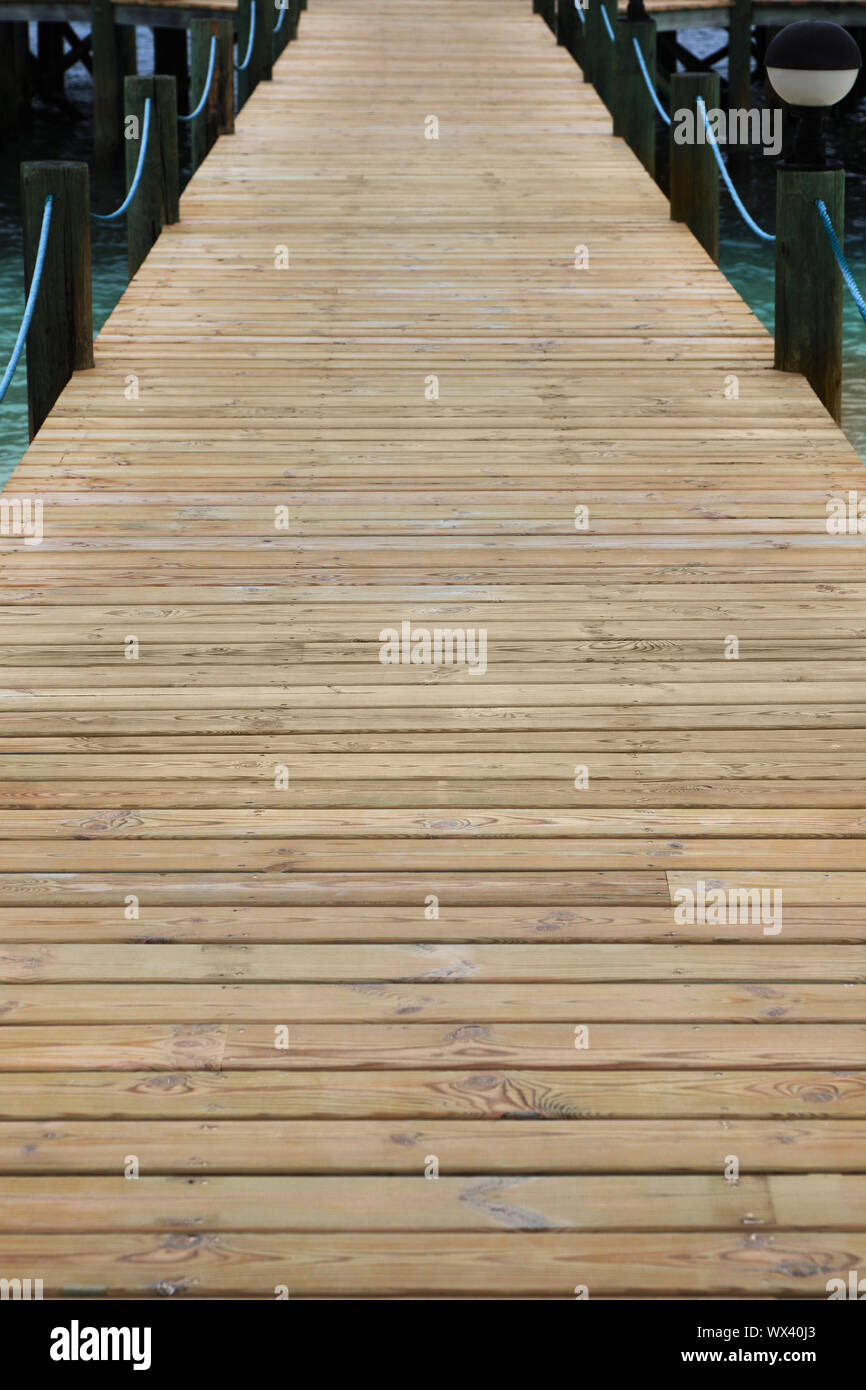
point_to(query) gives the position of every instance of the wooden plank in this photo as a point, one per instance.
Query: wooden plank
(465, 1145)
(373, 385)
(544, 1264)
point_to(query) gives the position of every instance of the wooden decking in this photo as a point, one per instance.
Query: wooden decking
(263, 906)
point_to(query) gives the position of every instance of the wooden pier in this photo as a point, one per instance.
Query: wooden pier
(286, 930)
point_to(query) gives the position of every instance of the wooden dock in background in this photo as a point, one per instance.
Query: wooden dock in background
(223, 817)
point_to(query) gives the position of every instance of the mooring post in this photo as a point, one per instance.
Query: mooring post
(225, 76)
(284, 12)
(60, 340)
(634, 116)
(603, 46)
(170, 57)
(575, 41)
(157, 201)
(694, 175)
(739, 72)
(565, 22)
(808, 323)
(592, 28)
(263, 47)
(258, 68)
(218, 117)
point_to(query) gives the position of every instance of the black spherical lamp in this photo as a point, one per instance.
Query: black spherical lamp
(812, 65)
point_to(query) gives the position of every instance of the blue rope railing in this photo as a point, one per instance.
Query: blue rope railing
(31, 297)
(581, 16)
(282, 6)
(651, 87)
(211, 64)
(850, 282)
(726, 178)
(136, 178)
(607, 24)
(241, 67)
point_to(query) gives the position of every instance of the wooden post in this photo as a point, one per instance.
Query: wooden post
(107, 82)
(170, 57)
(565, 22)
(634, 116)
(575, 31)
(60, 340)
(259, 68)
(263, 45)
(245, 85)
(694, 175)
(602, 65)
(590, 39)
(289, 27)
(217, 118)
(808, 283)
(15, 80)
(225, 76)
(739, 72)
(157, 201)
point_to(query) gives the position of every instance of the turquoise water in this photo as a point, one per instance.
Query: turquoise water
(747, 261)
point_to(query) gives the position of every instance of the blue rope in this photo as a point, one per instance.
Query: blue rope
(31, 297)
(581, 16)
(840, 258)
(738, 203)
(245, 64)
(208, 80)
(607, 24)
(136, 178)
(282, 7)
(649, 82)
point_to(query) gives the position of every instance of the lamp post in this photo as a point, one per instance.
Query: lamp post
(812, 65)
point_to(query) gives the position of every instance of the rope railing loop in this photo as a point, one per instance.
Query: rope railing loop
(31, 297)
(241, 67)
(136, 178)
(726, 178)
(641, 62)
(850, 282)
(211, 64)
(607, 24)
(282, 6)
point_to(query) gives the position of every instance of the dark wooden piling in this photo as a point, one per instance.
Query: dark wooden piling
(739, 72)
(601, 47)
(60, 340)
(107, 82)
(157, 201)
(217, 118)
(261, 60)
(15, 75)
(634, 115)
(694, 175)
(808, 326)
